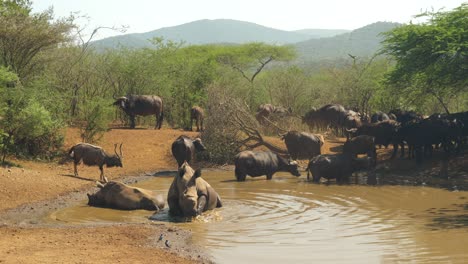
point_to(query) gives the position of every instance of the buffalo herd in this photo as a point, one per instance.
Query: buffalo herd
(190, 195)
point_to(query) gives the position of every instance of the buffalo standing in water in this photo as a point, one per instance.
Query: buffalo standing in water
(190, 195)
(143, 105)
(336, 166)
(261, 163)
(183, 149)
(117, 195)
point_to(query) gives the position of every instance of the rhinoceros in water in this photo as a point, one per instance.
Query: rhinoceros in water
(190, 195)
(117, 195)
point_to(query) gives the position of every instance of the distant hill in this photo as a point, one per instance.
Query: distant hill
(321, 33)
(362, 42)
(208, 32)
(311, 44)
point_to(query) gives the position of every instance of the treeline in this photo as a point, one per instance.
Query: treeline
(51, 79)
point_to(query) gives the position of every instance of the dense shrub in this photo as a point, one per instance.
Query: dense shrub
(30, 130)
(96, 116)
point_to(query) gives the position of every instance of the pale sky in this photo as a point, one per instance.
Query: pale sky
(147, 15)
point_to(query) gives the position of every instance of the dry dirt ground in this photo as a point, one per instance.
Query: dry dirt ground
(37, 188)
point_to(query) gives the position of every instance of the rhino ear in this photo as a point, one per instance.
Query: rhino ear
(197, 173)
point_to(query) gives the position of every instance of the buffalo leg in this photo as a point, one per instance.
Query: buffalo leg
(132, 121)
(75, 169)
(395, 150)
(191, 124)
(269, 176)
(240, 176)
(198, 124)
(201, 124)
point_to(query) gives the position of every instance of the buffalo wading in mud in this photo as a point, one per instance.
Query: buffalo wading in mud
(261, 163)
(336, 166)
(142, 105)
(184, 148)
(117, 195)
(92, 155)
(197, 114)
(190, 195)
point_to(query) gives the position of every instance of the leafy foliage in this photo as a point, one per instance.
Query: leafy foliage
(96, 116)
(432, 57)
(23, 36)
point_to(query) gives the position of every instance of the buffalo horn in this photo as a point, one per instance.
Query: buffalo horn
(121, 154)
(99, 185)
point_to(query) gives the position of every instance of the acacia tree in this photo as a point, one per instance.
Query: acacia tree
(24, 35)
(432, 57)
(251, 58)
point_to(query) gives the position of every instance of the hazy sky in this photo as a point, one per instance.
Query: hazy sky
(146, 15)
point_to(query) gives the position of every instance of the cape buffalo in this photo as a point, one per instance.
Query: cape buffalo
(384, 133)
(379, 116)
(404, 117)
(302, 145)
(184, 148)
(143, 105)
(331, 115)
(190, 195)
(94, 156)
(266, 110)
(261, 163)
(198, 114)
(117, 195)
(362, 144)
(336, 166)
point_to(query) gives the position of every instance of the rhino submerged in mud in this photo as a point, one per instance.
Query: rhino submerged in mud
(190, 195)
(117, 195)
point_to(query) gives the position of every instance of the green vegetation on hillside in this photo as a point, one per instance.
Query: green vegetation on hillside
(47, 85)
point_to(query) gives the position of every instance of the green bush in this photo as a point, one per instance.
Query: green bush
(30, 130)
(96, 115)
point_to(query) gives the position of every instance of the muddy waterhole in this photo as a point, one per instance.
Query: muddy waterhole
(290, 220)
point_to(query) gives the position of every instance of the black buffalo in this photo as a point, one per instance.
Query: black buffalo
(328, 116)
(261, 163)
(384, 133)
(379, 116)
(404, 116)
(302, 145)
(421, 135)
(184, 148)
(362, 144)
(142, 105)
(336, 166)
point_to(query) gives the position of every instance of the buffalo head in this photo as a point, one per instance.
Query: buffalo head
(122, 102)
(293, 168)
(198, 144)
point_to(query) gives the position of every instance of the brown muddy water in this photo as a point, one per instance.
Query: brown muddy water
(290, 220)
